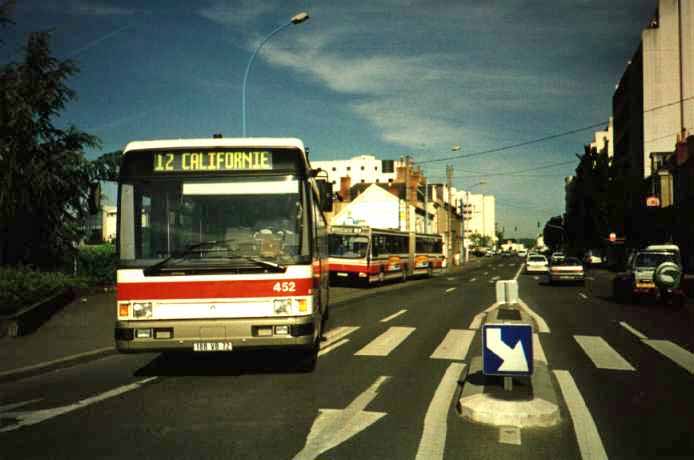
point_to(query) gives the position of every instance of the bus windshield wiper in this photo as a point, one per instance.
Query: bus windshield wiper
(190, 249)
(265, 263)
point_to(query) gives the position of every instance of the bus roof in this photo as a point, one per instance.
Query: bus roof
(262, 142)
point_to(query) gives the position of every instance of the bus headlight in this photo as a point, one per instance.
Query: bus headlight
(288, 307)
(142, 310)
(282, 306)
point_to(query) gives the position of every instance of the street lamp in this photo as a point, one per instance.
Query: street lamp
(296, 19)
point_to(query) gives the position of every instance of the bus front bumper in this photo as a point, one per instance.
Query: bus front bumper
(228, 334)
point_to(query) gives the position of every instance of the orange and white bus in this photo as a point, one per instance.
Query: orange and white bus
(365, 255)
(222, 245)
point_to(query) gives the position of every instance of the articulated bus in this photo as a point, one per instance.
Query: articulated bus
(222, 245)
(364, 255)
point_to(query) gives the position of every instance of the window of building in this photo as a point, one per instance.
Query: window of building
(362, 168)
(377, 181)
(349, 168)
(334, 168)
(375, 168)
(362, 181)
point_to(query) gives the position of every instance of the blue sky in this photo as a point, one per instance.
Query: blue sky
(382, 77)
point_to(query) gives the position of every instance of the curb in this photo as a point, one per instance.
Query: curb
(60, 363)
(30, 318)
(533, 403)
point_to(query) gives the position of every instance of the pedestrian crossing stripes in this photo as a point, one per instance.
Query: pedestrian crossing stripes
(602, 354)
(455, 345)
(386, 342)
(674, 352)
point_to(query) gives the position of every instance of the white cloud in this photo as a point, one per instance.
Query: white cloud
(235, 12)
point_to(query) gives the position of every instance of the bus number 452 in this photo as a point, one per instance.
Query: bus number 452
(285, 286)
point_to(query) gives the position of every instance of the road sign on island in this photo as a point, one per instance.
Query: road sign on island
(507, 349)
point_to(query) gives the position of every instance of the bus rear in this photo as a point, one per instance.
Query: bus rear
(222, 245)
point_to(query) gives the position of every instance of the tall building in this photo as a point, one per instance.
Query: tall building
(479, 212)
(654, 99)
(604, 139)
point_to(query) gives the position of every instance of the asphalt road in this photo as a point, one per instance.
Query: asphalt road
(377, 392)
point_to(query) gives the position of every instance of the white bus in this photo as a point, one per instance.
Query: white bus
(222, 246)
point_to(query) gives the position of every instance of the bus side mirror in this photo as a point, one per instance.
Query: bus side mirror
(325, 192)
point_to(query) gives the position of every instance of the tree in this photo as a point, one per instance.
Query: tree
(587, 213)
(553, 234)
(44, 177)
(479, 240)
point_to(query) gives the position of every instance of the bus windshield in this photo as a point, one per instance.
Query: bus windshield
(348, 246)
(227, 218)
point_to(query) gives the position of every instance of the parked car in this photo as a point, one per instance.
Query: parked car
(506, 254)
(637, 280)
(489, 253)
(567, 269)
(536, 263)
(522, 253)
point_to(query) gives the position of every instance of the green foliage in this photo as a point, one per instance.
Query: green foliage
(44, 177)
(22, 287)
(588, 204)
(479, 240)
(553, 234)
(97, 264)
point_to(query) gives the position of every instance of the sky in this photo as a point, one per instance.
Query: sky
(382, 77)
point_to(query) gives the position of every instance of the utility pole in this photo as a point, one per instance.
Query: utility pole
(449, 180)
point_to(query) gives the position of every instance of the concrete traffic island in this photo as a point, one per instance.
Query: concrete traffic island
(531, 403)
(509, 385)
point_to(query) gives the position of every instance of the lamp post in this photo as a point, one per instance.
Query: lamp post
(296, 19)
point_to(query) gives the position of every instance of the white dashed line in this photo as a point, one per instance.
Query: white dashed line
(520, 269)
(582, 295)
(472, 280)
(394, 315)
(386, 342)
(674, 352)
(450, 289)
(632, 330)
(332, 346)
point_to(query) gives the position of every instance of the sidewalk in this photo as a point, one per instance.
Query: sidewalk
(83, 330)
(80, 327)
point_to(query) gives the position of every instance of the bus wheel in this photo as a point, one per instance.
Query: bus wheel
(307, 358)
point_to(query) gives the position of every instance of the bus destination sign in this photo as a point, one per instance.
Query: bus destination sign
(165, 162)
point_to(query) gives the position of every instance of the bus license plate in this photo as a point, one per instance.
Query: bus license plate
(212, 346)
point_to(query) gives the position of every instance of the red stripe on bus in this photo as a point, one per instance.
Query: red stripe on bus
(214, 289)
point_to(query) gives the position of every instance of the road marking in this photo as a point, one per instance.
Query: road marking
(332, 427)
(626, 326)
(27, 418)
(520, 269)
(56, 361)
(386, 342)
(486, 273)
(590, 278)
(450, 279)
(539, 320)
(582, 295)
(450, 289)
(679, 355)
(536, 278)
(472, 280)
(394, 315)
(333, 335)
(538, 351)
(332, 346)
(455, 345)
(433, 440)
(602, 354)
(589, 442)
(510, 435)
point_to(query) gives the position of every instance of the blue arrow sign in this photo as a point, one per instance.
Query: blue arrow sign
(507, 349)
